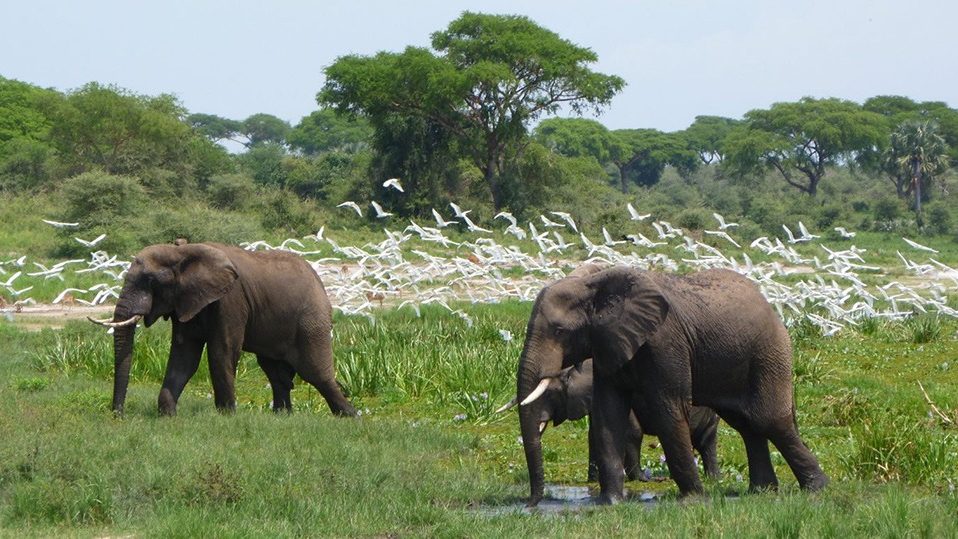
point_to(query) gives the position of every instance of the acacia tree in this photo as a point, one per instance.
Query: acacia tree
(645, 153)
(491, 76)
(706, 136)
(800, 140)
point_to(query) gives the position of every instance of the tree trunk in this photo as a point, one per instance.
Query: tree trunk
(916, 182)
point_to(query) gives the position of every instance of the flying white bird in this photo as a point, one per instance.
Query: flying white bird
(721, 220)
(353, 205)
(844, 233)
(473, 227)
(634, 214)
(440, 222)
(380, 212)
(457, 210)
(58, 224)
(608, 239)
(804, 231)
(722, 234)
(93, 242)
(567, 218)
(920, 246)
(507, 216)
(549, 223)
(394, 183)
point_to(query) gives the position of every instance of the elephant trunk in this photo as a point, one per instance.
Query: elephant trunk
(122, 358)
(530, 377)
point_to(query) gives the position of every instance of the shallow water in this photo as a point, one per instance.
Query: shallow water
(562, 499)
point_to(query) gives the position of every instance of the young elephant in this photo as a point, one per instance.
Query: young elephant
(569, 397)
(228, 300)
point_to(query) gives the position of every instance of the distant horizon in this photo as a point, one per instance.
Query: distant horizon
(235, 59)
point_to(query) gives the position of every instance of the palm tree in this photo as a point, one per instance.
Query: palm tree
(916, 153)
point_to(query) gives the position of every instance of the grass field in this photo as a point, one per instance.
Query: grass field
(428, 458)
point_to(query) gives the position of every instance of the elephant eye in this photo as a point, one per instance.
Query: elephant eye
(558, 331)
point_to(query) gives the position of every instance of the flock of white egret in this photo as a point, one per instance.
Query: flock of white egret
(419, 263)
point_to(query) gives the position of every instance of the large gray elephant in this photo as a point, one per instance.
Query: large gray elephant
(228, 300)
(569, 397)
(706, 339)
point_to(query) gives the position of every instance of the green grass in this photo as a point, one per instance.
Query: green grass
(427, 451)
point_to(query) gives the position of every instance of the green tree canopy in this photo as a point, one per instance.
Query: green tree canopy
(706, 136)
(915, 155)
(491, 77)
(648, 153)
(261, 128)
(325, 130)
(215, 128)
(801, 139)
(580, 137)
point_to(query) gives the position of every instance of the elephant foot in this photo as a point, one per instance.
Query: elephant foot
(606, 498)
(816, 483)
(166, 403)
(346, 412)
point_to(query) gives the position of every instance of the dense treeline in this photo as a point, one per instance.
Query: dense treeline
(471, 120)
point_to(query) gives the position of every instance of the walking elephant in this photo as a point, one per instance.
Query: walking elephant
(569, 397)
(228, 300)
(662, 344)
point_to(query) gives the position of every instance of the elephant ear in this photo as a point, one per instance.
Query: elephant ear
(628, 308)
(206, 274)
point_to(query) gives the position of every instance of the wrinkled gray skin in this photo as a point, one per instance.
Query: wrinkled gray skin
(229, 300)
(705, 339)
(569, 397)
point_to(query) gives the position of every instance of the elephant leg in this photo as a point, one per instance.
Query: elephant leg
(705, 441)
(761, 473)
(593, 472)
(223, 355)
(676, 441)
(633, 451)
(316, 367)
(280, 375)
(803, 463)
(610, 410)
(184, 360)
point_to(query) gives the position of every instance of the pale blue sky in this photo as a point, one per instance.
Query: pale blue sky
(679, 58)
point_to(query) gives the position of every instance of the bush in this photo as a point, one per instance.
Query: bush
(101, 199)
(231, 191)
(939, 218)
(694, 219)
(282, 210)
(888, 209)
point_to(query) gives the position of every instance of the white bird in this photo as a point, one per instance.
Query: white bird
(505, 334)
(549, 223)
(721, 220)
(804, 231)
(91, 243)
(394, 183)
(920, 246)
(608, 239)
(440, 222)
(457, 210)
(380, 212)
(507, 216)
(353, 205)
(12, 278)
(844, 233)
(473, 227)
(59, 224)
(66, 291)
(722, 234)
(567, 218)
(634, 215)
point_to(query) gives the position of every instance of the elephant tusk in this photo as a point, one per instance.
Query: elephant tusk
(537, 392)
(542, 426)
(111, 324)
(507, 406)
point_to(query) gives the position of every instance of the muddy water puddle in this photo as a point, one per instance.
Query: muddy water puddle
(563, 499)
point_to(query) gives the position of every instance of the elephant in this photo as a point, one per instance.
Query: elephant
(569, 397)
(661, 344)
(269, 303)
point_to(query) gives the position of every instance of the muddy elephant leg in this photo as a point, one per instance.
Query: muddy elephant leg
(610, 410)
(633, 451)
(184, 359)
(784, 434)
(316, 368)
(280, 375)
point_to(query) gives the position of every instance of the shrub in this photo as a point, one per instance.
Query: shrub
(887, 209)
(101, 199)
(231, 191)
(695, 219)
(939, 218)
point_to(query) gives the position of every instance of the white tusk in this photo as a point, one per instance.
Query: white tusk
(110, 324)
(508, 405)
(542, 426)
(537, 392)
